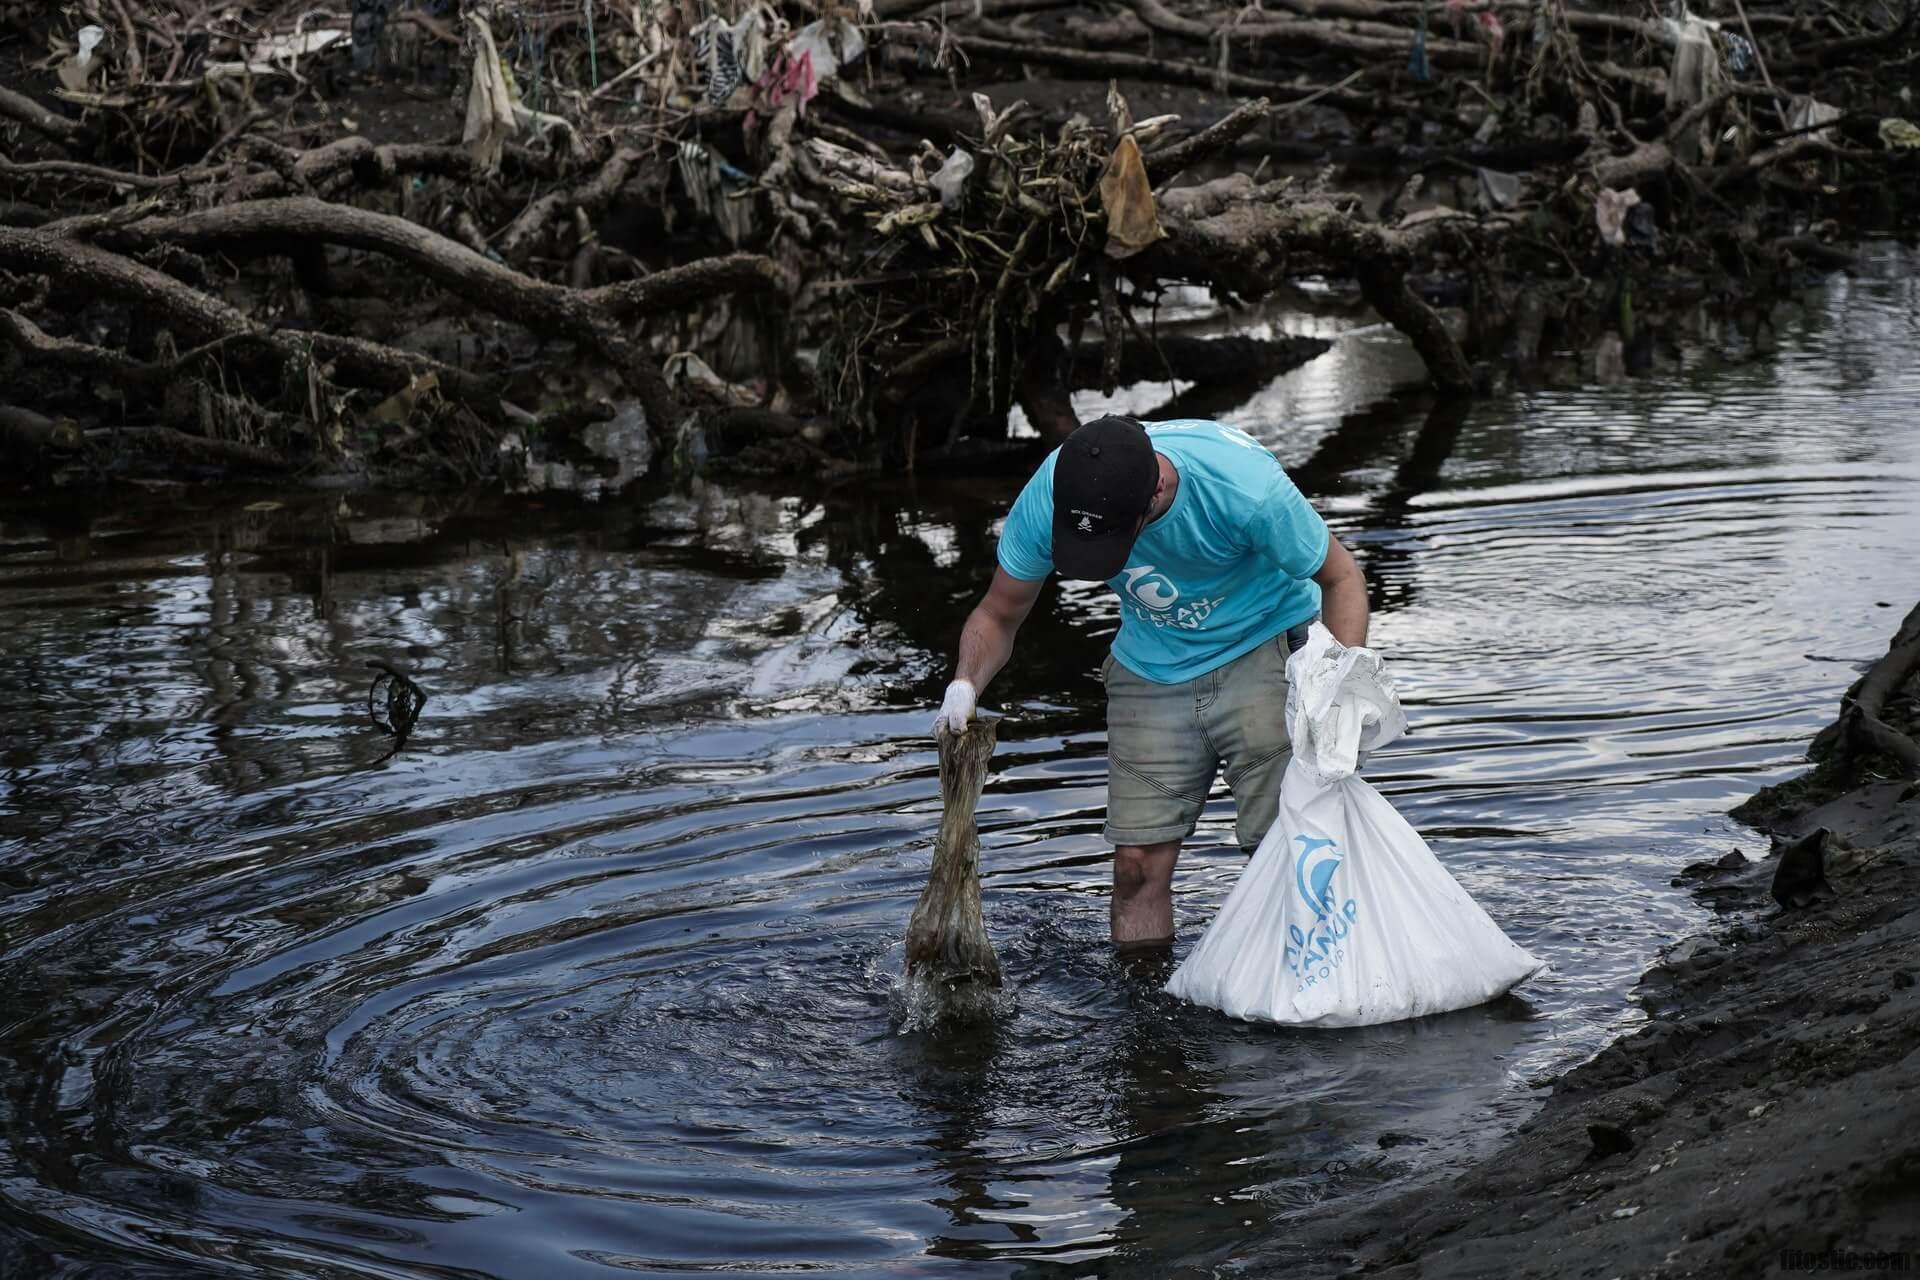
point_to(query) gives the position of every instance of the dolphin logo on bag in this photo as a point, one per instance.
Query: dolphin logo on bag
(1316, 952)
(1313, 873)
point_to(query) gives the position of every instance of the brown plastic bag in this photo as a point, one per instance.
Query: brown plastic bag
(1132, 223)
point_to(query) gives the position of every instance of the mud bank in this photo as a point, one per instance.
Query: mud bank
(1763, 1119)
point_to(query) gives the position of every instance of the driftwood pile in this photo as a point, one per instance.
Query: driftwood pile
(446, 240)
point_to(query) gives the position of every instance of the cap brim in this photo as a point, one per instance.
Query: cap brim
(1093, 559)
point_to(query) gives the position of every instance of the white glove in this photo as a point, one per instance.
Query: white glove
(956, 710)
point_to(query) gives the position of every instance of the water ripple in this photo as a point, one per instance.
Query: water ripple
(603, 972)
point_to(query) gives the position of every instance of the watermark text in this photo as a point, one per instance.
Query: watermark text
(1893, 1262)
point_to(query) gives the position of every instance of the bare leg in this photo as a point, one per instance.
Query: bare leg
(1143, 893)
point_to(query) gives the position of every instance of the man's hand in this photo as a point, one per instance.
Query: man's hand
(985, 642)
(956, 710)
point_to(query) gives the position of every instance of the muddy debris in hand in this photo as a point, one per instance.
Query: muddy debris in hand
(953, 974)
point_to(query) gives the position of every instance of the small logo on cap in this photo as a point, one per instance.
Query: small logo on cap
(1085, 525)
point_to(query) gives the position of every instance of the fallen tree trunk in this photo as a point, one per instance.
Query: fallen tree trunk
(1366, 39)
(590, 197)
(27, 433)
(225, 455)
(1231, 230)
(1009, 47)
(589, 316)
(52, 124)
(1182, 358)
(86, 271)
(1862, 726)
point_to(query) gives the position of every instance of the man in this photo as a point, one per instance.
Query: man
(1219, 564)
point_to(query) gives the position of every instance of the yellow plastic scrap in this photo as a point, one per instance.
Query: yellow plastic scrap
(396, 408)
(1899, 135)
(1132, 223)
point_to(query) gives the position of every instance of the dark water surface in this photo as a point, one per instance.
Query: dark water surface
(598, 975)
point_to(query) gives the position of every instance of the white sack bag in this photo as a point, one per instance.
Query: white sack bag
(1343, 917)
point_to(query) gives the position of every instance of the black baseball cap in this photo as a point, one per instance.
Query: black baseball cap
(1103, 483)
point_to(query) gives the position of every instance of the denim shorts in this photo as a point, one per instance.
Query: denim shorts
(1166, 742)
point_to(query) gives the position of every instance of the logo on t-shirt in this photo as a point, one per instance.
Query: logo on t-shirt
(1154, 590)
(1157, 601)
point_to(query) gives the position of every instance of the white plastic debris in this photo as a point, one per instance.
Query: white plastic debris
(490, 103)
(285, 49)
(279, 55)
(1695, 73)
(950, 179)
(1808, 113)
(1610, 213)
(78, 68)
(818, 40)
(1344, 917)
(1498, 190)
(1341, 705)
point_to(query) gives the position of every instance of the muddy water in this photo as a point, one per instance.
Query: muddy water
(598, 975)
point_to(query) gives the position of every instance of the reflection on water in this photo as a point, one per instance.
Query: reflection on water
(595, 976)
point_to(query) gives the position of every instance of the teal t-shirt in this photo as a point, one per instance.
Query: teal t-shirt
(1226, 568)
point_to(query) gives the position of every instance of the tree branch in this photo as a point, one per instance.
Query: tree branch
(592, 196)
(680, 286)
(1366, 40)
(1163, 164)
(82, 268)
(587, 316)
(1144, 67)
(1233, 232)
(50, 123)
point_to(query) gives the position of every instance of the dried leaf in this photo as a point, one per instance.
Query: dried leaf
(1132, 223)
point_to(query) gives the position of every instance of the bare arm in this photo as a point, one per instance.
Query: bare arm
(987, 638)
(1343, 595)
